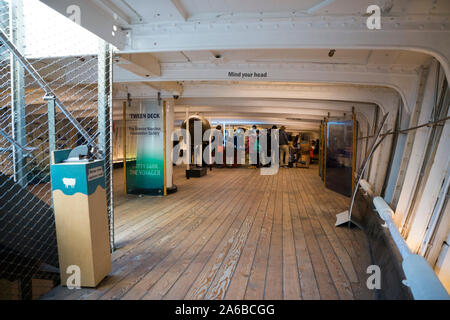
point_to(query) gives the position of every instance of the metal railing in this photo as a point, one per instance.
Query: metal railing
(420, 277)
(43, 85)
(15, 144)
(49, 99)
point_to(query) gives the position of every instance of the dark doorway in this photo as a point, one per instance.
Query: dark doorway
(339, 156)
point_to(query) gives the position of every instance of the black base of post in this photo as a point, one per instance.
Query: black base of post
(172, 189)
(196, 172)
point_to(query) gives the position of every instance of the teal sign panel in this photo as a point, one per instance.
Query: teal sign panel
(145, 124)
(83, 177)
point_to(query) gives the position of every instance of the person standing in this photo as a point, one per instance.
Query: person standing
(253, 147)
(273, 155)
(258, 149)
(284, 147)
(229, 148)
(218, 152)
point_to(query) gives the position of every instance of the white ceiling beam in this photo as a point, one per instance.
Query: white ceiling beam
(143, 65)
(364, 99)
(271, 103)
(92, 17)
(404, 79)
(172, 87)
(386, 98)
(318, 6)
(264, 121)
(429, 34)
(305, 108)
(129, 7)
(291, 112)
(183, 14)
(244, 115)
(298, 116)
(111, 6)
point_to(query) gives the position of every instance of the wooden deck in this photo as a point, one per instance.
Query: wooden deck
(234, 234)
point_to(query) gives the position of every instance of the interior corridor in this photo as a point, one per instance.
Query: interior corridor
(234, 234)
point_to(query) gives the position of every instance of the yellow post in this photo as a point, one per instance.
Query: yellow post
(164, 126)
(124, 140)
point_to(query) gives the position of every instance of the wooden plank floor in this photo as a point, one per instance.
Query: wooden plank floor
(234, 234)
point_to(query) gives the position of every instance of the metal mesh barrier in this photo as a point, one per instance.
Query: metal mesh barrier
(76, 69)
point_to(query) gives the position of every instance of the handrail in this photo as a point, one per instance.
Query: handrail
(369, 154)
(43, 84)
(420, 277)
(15, 143)
(366, 187)
(385, 213)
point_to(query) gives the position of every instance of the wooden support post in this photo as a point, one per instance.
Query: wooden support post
(165, 141)
(353, 149)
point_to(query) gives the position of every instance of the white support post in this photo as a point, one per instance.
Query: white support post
(403, 121)
(409, 140)
(416, 158)
(188, 141)
(371, 170)
(383, 154)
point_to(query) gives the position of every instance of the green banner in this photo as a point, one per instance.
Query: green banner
(145, 124)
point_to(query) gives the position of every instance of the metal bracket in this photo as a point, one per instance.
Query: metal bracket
(26, 150)
(129, 99)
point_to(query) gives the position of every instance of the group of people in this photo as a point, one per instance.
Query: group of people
(297, 151)
(293, 150)
(254, 147)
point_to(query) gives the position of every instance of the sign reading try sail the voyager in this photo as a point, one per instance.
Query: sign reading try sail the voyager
(144, 126)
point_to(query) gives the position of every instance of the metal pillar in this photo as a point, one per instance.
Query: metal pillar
(104, 114)
(51, 124)
(18, 93)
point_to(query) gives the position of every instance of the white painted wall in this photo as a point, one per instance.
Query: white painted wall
(417, 154)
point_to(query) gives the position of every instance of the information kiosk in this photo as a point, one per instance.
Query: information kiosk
(79, 200)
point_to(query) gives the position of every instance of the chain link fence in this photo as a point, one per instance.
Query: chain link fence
(76, 67)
